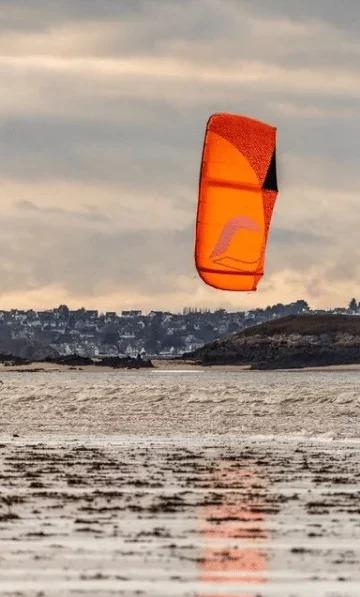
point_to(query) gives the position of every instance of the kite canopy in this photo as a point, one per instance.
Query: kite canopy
(237, 192)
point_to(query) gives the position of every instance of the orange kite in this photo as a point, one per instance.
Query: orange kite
(237, 192)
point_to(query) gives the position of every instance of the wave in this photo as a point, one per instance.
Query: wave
(311, 404)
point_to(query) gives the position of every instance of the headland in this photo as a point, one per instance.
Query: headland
(297, 341)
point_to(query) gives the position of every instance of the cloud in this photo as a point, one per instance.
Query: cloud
(91, 216)
(84, 254)
(102, 112)
(341, 15)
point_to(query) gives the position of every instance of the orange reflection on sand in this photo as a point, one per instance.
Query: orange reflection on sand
(238, 519)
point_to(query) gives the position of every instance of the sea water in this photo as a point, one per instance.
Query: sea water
(203, 483)
(206, 402)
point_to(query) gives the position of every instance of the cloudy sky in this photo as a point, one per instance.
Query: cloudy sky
(102, 111)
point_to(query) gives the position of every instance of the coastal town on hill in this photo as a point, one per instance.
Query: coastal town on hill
(90, 333)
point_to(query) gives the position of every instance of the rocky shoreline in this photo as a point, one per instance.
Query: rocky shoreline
(74, 360)
(291, 342)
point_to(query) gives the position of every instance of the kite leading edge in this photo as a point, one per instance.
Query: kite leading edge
(237, 193)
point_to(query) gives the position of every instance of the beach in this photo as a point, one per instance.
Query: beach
(190, 483)
(178, 365)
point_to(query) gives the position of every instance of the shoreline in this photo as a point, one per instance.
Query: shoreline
(165, 365)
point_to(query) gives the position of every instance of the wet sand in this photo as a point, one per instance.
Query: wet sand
(117, 515)
(159, 365)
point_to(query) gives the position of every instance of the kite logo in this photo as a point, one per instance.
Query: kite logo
(228, 232)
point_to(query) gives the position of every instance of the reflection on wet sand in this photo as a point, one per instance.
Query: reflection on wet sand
(181, 517)
(239, 518)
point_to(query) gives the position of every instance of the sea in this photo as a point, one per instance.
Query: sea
(191, 483)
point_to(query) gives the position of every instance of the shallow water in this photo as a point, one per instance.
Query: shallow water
(243, 403)
(208, 484)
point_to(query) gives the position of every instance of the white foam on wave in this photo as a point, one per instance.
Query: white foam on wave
(317, 405)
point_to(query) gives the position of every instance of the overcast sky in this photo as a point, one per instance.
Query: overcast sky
(103, 106)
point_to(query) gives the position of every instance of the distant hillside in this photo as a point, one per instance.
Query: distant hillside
(31, 350)
(294, 341)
